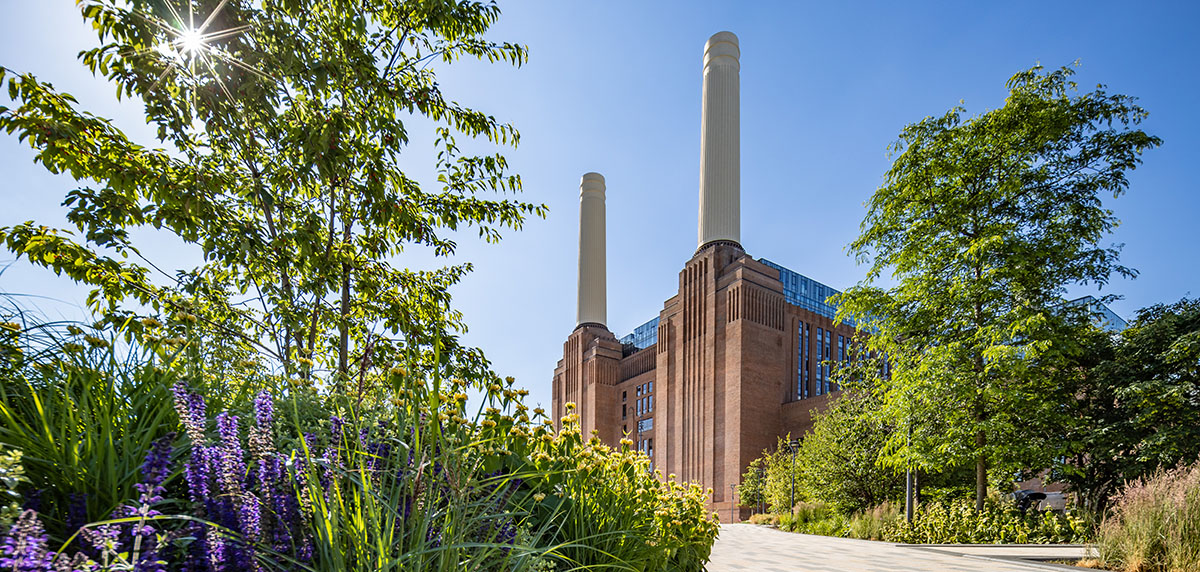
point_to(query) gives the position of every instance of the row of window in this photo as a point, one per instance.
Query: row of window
(645, 405)
(825, 355)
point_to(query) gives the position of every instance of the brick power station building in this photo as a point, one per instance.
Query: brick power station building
(734, 359)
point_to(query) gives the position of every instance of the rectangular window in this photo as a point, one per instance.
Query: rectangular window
(623, 396)
(623, 412)
(808, 359)
(800, 361)
(650, 386)
(645, 425)
(650, 403)
(828, 356)
(820, 370)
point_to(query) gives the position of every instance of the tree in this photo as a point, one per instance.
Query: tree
(752, 491)
(1136, 402)
(286, 122)
(838, 461)
(983, 222)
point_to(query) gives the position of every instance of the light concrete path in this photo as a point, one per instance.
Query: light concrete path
(751, 547)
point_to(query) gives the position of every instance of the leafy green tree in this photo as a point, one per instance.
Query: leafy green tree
(837, 463)
(285, 123)
(751, 492)
(1137, 399)
(983, 222)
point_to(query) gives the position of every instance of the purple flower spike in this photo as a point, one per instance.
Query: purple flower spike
(233, 465)
(264, 409)
(192, 412)
(23, 549)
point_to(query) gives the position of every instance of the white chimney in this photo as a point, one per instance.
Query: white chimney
(720, 137)
(592, 296)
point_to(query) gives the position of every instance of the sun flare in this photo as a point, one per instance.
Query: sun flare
(191, 42)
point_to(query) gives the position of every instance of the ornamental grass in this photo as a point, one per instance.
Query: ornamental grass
(1154, 525)
(294, 476)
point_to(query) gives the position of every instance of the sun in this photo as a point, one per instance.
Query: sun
(191, 42)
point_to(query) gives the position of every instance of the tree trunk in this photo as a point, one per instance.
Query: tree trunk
(344, 327)
(980, 472)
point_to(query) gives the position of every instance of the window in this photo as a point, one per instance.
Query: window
(650, 386)
(802, 331)
(828, 356)
(623, 411)
(623, 396)
(650, 403)
(645, 425)
(820, 370)
(807, 357)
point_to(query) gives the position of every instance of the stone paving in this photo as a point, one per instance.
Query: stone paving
(750, 547)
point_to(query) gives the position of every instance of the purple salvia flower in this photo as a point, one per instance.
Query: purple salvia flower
(192, 412)
(335, 430)
(262, 448)
(250, 520)
(155, 469)
(238, 509)
(197, 473)
(233, 465)
(23, 549)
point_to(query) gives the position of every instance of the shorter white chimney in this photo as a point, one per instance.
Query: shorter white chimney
(592, 292)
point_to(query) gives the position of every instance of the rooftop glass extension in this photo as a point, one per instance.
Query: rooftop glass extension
(800, 290)
(643, 336)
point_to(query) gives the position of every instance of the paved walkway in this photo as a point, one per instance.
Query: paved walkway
(751, 547)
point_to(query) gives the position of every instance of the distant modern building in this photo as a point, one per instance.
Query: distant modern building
(734, 359)
(1103, 317)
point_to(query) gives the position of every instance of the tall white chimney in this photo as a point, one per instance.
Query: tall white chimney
(592, 296)
(720, 142)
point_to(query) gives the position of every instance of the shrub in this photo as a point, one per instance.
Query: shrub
(870, 524)
(767, 519)
(998, 523)
(1155, 524)
(820, 518)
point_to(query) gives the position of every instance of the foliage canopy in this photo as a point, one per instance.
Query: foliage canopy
(285, 123)
(983, 223)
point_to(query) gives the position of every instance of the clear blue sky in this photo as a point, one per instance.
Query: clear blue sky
(614, 87)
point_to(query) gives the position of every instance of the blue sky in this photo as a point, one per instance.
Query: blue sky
(614, 87)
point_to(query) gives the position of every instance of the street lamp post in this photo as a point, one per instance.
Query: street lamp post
(762, 486)
(732, 503)
(794, 444)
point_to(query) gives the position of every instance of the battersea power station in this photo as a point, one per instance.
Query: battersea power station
(734, 359)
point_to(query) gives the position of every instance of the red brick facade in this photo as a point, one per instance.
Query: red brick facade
(719, 387)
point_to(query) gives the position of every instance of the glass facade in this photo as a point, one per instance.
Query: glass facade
(800, 290)
(1104, 318)
(642, 336)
